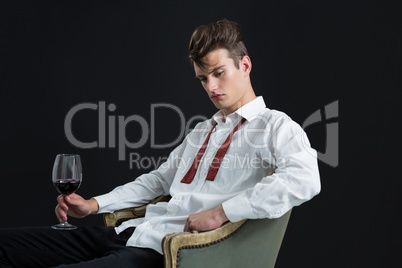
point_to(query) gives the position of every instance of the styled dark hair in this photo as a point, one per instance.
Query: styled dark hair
(222, 34)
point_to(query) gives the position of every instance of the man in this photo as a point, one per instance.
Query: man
(221, 172)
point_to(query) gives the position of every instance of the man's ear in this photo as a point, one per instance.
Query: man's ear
(245, 64)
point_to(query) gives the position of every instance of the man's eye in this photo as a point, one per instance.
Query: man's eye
(219, 74)
(203, 80)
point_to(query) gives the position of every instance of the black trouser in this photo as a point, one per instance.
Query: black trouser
(83, 247)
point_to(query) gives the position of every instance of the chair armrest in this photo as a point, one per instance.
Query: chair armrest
(119, 216)
(174, 242)
(248, 243)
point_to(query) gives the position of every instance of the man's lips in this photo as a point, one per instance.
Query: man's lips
(217, 96)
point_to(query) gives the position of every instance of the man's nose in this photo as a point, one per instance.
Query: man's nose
(212, 85)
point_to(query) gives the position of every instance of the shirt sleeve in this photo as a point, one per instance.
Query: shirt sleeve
(143, 189)
(296, 178)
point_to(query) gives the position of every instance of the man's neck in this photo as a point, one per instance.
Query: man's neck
(251, 96)
(226, 113)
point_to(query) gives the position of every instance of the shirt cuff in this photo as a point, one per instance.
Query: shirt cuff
(238, 208)
(103, 202)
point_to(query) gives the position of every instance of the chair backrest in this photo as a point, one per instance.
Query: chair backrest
(255, 244)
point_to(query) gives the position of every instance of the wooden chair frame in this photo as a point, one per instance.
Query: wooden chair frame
(175, 243)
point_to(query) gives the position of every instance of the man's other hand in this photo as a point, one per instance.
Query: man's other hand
(206, 220)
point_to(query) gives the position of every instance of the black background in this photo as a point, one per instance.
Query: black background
(305, 54)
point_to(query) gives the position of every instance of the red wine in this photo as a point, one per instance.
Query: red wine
(67, 186)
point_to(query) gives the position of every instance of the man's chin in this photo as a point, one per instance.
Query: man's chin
(218, 105)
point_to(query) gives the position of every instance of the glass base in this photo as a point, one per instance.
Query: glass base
(64, 226)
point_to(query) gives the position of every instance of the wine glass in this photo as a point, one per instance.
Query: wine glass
(66, 177)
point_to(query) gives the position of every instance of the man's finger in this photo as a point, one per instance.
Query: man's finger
(60, 214)
(186, 226)
(61, 203)
(60, 199)
(72, 199)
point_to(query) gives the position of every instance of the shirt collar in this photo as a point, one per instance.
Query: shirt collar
(247, 111)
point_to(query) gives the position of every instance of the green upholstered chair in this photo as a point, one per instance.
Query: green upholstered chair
(248, 243)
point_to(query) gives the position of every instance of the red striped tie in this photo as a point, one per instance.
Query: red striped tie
(216, 163)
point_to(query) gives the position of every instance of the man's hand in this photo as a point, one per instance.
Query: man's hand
(206, 220)
(74, 205)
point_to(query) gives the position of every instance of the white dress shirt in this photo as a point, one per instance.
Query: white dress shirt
(268, 141)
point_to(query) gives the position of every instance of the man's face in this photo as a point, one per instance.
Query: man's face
(227, 86)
